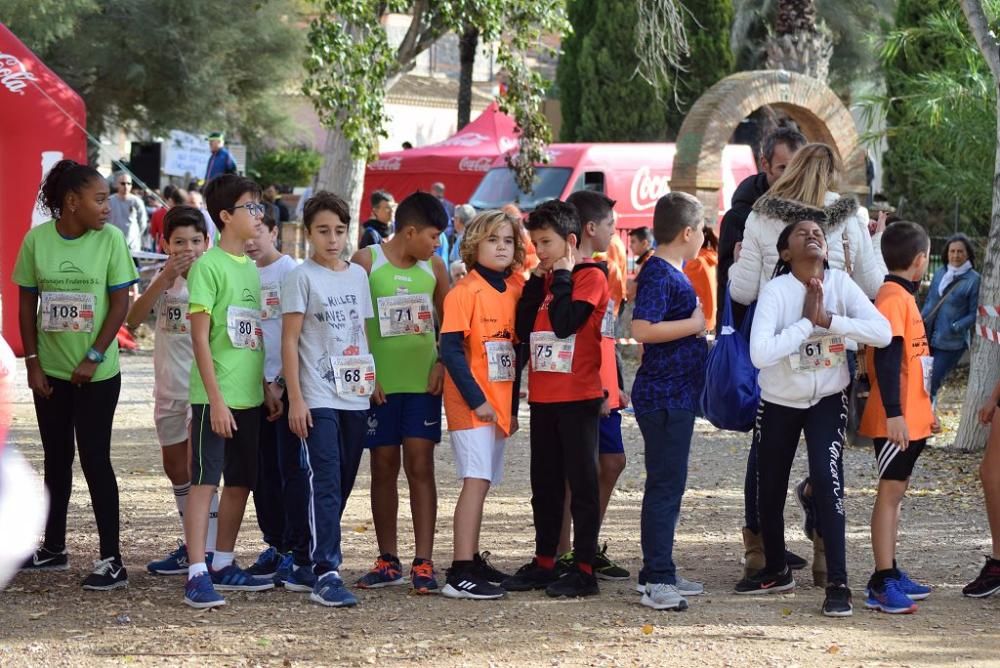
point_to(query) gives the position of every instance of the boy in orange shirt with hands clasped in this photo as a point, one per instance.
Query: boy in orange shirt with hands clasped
(898, 415)
(480, 391)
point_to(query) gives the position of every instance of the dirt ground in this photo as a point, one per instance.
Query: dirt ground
(47, 620)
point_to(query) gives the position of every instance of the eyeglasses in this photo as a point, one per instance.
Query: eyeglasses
(255, 209)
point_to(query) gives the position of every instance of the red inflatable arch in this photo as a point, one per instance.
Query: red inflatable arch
(41, 122)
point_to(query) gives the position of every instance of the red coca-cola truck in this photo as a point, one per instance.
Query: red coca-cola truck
(634, 175)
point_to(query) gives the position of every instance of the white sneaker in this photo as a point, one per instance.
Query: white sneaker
(688, 587)
(663, 597)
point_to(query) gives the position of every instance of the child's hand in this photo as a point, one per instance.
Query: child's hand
(986, 413)
(273, 406)
(299, 418)
(435, 383)
(605, 408)
(514, 426)
(625, 399)
(378, 396)
(897, 432)
(177, 264)
(485, 413)
(223, 422)
(567, 261)
(698, 321)
(874, 227)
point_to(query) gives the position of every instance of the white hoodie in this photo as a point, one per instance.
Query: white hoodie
(779, 330)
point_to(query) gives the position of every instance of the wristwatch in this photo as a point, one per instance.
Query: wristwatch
(94, 356)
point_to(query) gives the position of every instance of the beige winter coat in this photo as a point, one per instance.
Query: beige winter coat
(846, 225)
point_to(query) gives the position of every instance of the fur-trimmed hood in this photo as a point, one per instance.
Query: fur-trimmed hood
(789, 211)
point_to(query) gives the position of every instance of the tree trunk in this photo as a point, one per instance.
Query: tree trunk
(984, 362)
(984, 369)
(344, 175)
(467, 45)
(807, 53)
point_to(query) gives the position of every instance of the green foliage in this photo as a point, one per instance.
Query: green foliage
(287, 167)
(940, 113)
(581, 15)
(163, 64)
(350, 64)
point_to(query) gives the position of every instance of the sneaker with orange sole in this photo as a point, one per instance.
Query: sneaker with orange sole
(387, 572)
(422, 577)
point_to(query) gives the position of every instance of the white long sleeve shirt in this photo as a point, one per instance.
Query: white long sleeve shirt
(779, 330)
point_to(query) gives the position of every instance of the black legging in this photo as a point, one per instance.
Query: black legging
(776, 434)
(89, 411)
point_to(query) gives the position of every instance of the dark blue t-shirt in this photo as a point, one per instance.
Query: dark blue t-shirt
(672, 374)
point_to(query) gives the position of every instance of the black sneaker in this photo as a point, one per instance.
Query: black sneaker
(530, 576)
(573, 585)
(987, 582)
(108, 574)
(46, 560)
(606, 569)
(484, 570)
(838, 601)
(794, 561)
(762, 582)
(467, 583)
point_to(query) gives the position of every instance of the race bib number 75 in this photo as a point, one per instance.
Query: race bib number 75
(550, 353)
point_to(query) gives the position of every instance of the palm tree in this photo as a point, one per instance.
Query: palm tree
(798, 44)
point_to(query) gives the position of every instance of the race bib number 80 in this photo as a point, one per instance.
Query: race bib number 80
(549, 353)
(243, 325)
(405, 314)
(68, 311)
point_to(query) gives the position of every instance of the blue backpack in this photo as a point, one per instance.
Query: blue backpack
(731, 394)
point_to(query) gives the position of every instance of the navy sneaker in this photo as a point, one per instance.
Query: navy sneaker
(422, 577)
(530, 576)
(287, 561)
(234, 578)
(986, 583)
(808, 509)
(838, 601)
(199, 592)
(301, 578)
(108, 574)
(387, 572)
(766, 583)
(890, 598)
(266, 565)
(915, 590)
(46, 560)
(331, 592)
(175, 563)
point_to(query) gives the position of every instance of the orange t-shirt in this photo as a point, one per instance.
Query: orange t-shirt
(530, 256)
(701, 272)
(900, 309)
(617, 277)
(482, 314)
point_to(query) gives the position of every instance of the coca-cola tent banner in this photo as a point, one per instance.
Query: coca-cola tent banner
(41, 122)
(459, 161)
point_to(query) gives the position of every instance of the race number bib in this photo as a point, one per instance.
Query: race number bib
(405, 314)
(270, 298)
(174, 316)
(500, 360)
(927, 370)
(608, 323)
(820, 352)
(68, 311)
(549, 353)
(243, 325)
(354, 375)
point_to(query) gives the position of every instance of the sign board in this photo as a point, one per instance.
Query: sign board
(185, 154)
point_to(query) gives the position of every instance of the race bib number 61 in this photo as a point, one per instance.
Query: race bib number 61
(824, 352)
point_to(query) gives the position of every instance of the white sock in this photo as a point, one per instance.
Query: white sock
(194, 570)
(181, 499)
(213, 523)
(222, 559)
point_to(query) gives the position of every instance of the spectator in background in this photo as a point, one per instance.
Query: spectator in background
(640, 242)
(701, 271)
(172, 196)
(458, 271)
(463, 214)
(378, 228)
(277, 210)
(437, 189)
(407, 146)
(530, 256)
(128, 213)
(197, 200)
(616, 254)
(220, 162)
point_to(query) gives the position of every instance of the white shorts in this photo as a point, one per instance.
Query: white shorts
(479, 453)
(173, 419)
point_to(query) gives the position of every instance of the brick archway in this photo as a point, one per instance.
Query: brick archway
(819, 113)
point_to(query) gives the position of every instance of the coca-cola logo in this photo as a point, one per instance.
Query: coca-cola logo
(506, 144)
(387, 165)
(475, 164)
(465, 140)
(13, 76)
(647, 188)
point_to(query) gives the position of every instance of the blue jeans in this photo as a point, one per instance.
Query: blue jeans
(944, 362)
(667, 444)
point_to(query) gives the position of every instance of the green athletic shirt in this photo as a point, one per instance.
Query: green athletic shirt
(95, 263)
(402, 363)
(216, 281)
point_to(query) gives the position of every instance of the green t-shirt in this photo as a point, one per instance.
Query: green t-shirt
(402, 363)
(228, 287)
(73, 278)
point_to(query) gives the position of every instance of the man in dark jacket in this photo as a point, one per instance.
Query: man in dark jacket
(377, 229)
(776, 152)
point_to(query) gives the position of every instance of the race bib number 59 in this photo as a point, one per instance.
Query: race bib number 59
(243, 325)
(68, 312)
(549, 353)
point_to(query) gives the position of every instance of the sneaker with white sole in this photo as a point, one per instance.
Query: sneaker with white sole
(108, 574)
(469, 584)
(684, 586)
(331, 592)
(175, 563)
(46, 560)
(300, 578)
(234, 578)
(662, 596)
(200, 594)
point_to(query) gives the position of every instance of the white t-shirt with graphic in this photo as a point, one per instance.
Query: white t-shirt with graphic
(271, 278)
(335, 305)
(173, 354)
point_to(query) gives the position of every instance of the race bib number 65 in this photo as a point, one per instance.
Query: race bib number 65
(68, 312)
(549, 353)
(500, 360)
(243, 325)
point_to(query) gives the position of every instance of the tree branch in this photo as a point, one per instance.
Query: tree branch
(987, 42)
